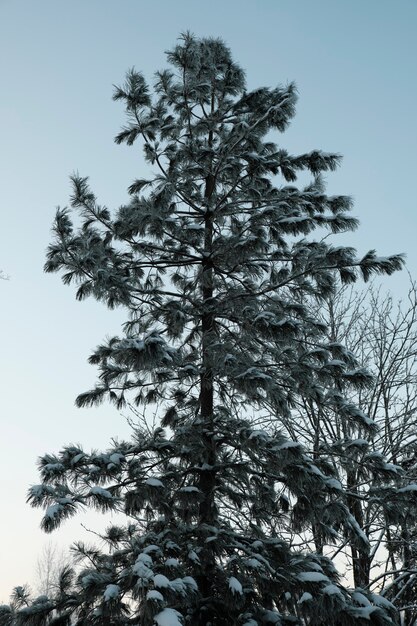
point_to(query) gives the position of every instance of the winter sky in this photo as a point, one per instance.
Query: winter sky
(354, 65)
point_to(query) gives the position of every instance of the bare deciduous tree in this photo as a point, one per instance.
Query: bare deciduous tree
(378, 472)
(49, 565)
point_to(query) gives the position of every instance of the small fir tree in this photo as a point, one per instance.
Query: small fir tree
(211, 261)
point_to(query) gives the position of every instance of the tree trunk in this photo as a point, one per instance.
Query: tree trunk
(207, 483)
(361, 561)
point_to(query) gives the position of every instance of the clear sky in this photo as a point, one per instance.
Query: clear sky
(354, 65)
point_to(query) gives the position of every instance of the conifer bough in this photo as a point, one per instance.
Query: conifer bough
(214, 260)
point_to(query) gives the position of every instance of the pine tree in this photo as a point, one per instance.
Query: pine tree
(211, 260)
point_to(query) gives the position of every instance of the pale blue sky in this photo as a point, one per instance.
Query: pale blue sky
(354, 64)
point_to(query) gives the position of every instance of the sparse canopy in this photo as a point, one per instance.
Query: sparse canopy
(211, 260)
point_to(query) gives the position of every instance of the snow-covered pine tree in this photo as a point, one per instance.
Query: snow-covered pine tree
(211, 262)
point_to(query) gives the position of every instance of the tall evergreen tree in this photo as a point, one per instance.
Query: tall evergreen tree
(211, 262)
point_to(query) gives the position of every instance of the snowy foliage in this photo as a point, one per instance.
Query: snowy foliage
(211, 260)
